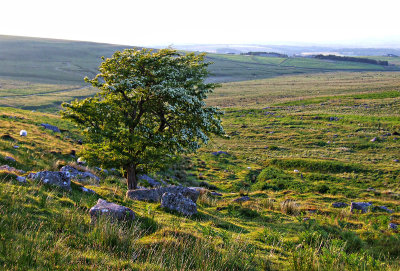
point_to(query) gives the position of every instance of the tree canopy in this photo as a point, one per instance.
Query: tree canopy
(149, 108)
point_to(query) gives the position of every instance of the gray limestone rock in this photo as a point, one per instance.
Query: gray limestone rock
(178, 203)
(362, 206)
(79, 175)
(155, 194)
(110, 210)
(51, 127)
(57, 178)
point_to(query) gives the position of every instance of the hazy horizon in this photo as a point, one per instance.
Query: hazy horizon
(136, 23)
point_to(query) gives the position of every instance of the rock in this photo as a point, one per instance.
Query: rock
(155, 194)
(178, 203)
(9, 158)
(374, 139)
(151, 195)
(392, 226)
(23, 133)
(11, 169)
(217, 153)
(111, 210)
(296, 171)
(79, 175)
(242, 199)
(216, 194)
(87, 190)
(51, 127)
(56, 178)
(362, 206)
(21, 179)
(15, 146)
(371, 189)
(383, 209)
(339, 205)
(396, 160)
(150, 181)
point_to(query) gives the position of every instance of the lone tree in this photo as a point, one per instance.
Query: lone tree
(150, 108)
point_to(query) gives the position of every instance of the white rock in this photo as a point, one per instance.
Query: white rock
(81, 161)
(296, 171)
(23, 133)
(45, 180)
(248, 167)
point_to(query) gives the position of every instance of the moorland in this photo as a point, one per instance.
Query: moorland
(306, 134)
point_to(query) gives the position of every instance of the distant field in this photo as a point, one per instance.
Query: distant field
(266, 92)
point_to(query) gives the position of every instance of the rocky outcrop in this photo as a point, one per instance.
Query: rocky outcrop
(155, 194)
(79, 175)
(56, 178)
(179, 203)
(362, 206)
(110, 210)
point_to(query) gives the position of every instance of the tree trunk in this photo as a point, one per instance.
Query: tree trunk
(131, 179)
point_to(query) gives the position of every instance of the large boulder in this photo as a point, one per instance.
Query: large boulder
(110, 210)
(79, 175)
(56, 178)
(362, 206)
(144, 194)
(155, 194)
(179, 203)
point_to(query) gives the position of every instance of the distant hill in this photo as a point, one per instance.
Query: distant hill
(66, 62)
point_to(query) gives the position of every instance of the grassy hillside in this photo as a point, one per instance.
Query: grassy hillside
(297, 144)
(67, 62)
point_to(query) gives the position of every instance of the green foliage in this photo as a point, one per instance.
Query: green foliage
(150, 107)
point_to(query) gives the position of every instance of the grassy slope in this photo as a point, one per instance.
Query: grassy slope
(327, 140)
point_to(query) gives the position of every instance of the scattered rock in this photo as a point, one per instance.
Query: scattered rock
(21, 179)
(392, 226)
(242, 199)
(150, 181)
(216, 194)
(362, 206)
(111, 210)
(87, 190)
(371, 189)
(396, 160)
(339, 205)
(178, 203)
(296, 171)
(217, 153)
(374, 139)
(15, 146)
(155, 194)
(9, 158)
(51, 127)
(57, 178)
(79, 175)
(11, 169)
(23, 133)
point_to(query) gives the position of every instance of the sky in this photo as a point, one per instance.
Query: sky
(358, 23)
